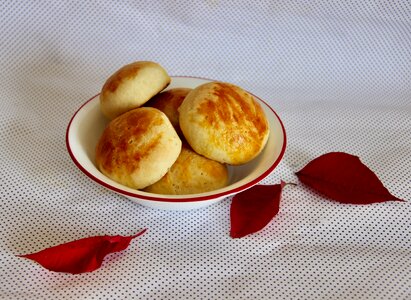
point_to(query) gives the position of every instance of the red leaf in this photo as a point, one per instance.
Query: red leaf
(80, 256)
(252, 209)
(344, 178)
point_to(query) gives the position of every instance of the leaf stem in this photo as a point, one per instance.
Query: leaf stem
(284, 184)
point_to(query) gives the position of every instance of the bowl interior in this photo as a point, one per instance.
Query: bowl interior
(88, 123)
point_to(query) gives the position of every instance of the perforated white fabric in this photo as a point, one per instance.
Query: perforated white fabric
(338, 73)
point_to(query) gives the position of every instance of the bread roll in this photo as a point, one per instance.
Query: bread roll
(132, 86)
(168, 102)
(191, 174)
(137, 148)
(224, 123)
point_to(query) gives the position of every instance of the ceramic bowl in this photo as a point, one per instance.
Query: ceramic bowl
(88, 123)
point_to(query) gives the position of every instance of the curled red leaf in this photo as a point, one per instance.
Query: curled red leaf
(344, 178)
(80, 256)
(252, 209)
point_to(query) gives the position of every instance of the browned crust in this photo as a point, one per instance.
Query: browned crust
(123, 144)
(168, 102)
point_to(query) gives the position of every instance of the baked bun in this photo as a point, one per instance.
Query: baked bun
(132, 86)
(224, 123)
(191, 174)
(168, 102)
(137, 148)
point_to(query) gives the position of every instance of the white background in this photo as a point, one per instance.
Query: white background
(338, 73)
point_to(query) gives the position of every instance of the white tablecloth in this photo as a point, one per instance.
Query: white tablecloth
(338, 73)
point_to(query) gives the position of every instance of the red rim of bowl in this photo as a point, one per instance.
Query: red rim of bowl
(188, 199)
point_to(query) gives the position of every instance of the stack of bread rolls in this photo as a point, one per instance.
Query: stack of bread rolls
(176, 141)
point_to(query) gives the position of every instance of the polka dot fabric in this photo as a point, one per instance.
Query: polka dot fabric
(337, 72)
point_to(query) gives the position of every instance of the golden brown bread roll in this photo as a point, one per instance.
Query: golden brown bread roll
(191, 174)
(132, 86)
(137, 148)
(168, 102)
(224, 123)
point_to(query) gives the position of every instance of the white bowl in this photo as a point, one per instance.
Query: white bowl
(88, 123)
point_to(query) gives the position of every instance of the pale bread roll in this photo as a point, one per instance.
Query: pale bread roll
(132, 86)
(137, 148)
(191, 174)
(168, 102)
(223, 122)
